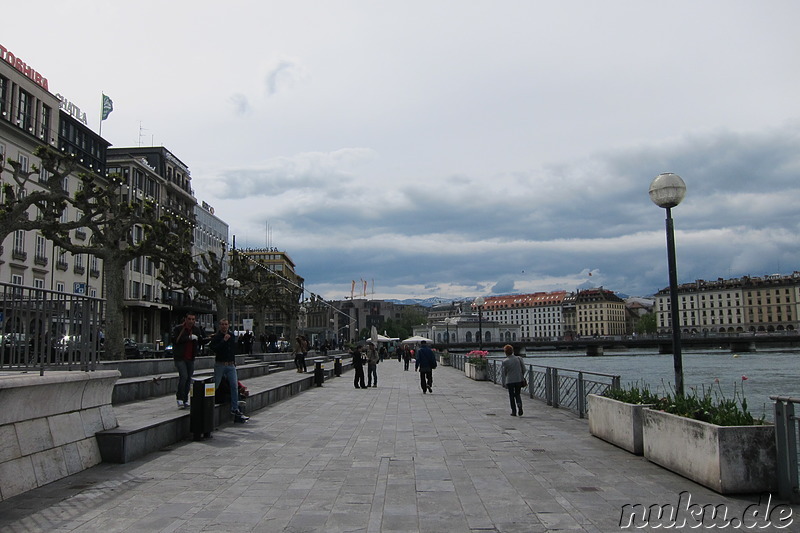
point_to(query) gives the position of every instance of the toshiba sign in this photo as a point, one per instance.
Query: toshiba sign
(20, 65)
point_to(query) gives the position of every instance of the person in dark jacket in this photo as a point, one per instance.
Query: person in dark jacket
(513, 376)
(358, 367)
(223, 344)
(186, 340)
(425, 364)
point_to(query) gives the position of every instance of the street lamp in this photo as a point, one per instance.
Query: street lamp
(233, 286)
(433, 334)
(666, 191)
(479, 301)
(447, 322)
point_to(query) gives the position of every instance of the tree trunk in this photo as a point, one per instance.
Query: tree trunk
(113, 269)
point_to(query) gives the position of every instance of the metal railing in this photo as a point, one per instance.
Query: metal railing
(786, 435)
(558, 387)
(43, 329)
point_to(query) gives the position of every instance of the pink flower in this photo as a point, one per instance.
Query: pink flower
(744, 378)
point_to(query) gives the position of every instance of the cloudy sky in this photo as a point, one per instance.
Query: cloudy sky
(456, 148)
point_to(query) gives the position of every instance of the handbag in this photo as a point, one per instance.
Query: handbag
(524, 381)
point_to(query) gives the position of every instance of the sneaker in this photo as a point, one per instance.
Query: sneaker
(424, 391)
(520, 411)
(513, 414)
(238, 416)
(181, 404)
(430, 390)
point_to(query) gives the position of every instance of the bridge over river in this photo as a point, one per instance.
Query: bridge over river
(597, 345)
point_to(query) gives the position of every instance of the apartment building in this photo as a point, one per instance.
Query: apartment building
(738, 305)
(599, 312)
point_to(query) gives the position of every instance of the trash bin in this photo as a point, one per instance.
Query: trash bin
(201, 414)
(319, 376)
(337, 366)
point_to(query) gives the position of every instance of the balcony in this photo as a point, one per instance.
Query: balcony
(80, 234)
(19, 255)
(40, 260)
(94, 273)
(78, 269)
(62, 265)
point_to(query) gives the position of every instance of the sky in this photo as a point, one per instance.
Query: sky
(451, 149)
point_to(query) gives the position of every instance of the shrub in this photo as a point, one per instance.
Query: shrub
(478, 358)
(708, 405)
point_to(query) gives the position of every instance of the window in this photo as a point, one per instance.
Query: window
(44, 126)
(23, 162)
(38, 283)
(24, 111)
(19, 241)
(78, 260)
(60, 286)
(3, 93)
(41, 246)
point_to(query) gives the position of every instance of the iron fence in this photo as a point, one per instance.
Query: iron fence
(49, 329)
(558, 387)
(786, 435)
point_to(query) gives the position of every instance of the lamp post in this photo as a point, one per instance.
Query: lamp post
(666, 191)
(447, 322)
(479, 301)
(233, 286)
(433, 335)
(301, 319)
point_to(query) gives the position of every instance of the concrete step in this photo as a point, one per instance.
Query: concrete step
(149, 425)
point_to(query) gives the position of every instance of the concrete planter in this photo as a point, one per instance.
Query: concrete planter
(617, 422)
(473, 372)
(727, 459)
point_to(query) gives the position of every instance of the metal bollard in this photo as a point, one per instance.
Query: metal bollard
(201, 415)
(319, 377)
(337, 366)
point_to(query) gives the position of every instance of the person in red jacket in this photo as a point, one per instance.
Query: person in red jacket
(186, 340)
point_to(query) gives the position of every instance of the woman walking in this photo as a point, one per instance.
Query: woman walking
(513, 377)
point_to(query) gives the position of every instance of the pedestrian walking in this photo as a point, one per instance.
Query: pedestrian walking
(514, 379)
(186, 340)
(300, 352)
(406, 357)
(223, 344)
(425, 363)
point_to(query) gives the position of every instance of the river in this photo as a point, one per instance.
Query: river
(757, 375)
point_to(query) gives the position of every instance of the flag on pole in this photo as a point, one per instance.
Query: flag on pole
(108, 106)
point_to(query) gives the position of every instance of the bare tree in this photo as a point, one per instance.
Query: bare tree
(122, 230)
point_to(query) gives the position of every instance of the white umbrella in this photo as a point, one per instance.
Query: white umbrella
(416, 339)
(384, 338)
(373, 335)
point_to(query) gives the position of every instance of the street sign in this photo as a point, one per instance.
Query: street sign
(79, 287)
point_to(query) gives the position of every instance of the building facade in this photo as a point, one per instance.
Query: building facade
(766, 304)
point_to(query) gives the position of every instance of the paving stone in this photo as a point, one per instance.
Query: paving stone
(387, 459)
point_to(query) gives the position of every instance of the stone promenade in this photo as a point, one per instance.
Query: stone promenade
(385, 459)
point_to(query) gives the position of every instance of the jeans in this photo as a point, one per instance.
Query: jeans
(358, 377)
(514, 396)
(228, 372)
(425, 378)
(372, 375)
(185, 373)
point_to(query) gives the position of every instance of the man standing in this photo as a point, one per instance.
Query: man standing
(186, 340)
(426, 362)
(223, 344)
(358, 367)
(372, 366)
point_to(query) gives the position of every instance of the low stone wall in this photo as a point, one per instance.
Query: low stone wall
(48, 425)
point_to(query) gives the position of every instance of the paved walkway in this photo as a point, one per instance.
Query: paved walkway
(386, 459)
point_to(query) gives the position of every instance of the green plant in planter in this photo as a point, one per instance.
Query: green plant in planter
(445, 357)
(478, 358)
(707, 405)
